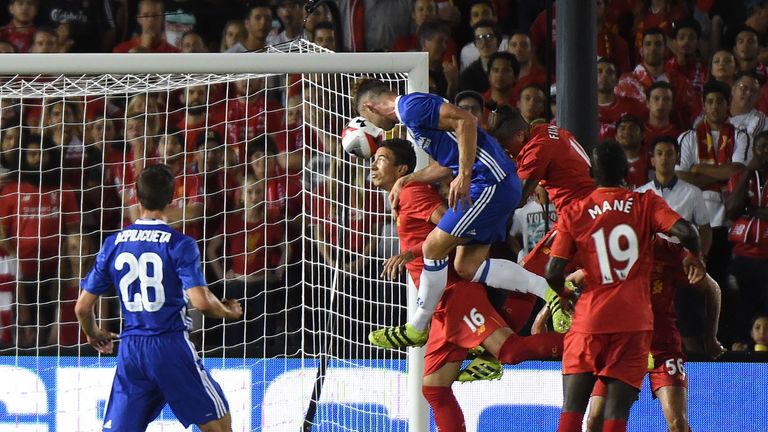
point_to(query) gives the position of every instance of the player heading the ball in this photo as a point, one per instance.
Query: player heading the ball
(484, 191)
(156, 269)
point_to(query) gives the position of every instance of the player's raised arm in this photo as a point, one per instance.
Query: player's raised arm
(464, 125)
(689, 238)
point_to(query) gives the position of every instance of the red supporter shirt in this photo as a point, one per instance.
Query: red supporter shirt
(254, 247)
(160, 47)
(637, 174)
(252, 119)
(612, 232)
(537, 75)
(696, 73)
(20, 39)
(651, 133)
(608, 115)
(753, 232)
(557, 160)
(360, 221)
(33, 217)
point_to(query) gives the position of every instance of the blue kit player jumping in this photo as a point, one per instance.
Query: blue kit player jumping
(484, 192)
(156, 270)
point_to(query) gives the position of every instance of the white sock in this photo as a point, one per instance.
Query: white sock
(431, 287)
(510, 276)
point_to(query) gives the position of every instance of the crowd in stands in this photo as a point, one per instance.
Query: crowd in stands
(693, 72)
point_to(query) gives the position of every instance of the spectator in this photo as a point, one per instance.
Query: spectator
(745, 50)
(443, 76)
(258, 25)
(283, 192)
(530, 70)
(321, 14)
(610, 44)
(35, 211)
(531, 103)
(475, 76)
(723, 67)
(743, 113)
(473, 102)
(685, 47)
(61, 127)
(611, 107)
(747, 207)
(373, 25)
(502, 71)
(711, 154)
(634, 84)
(10, 141)
(422, 11)
(192, 42)
(291, 16)
(324, 35)
(659, 14)
(659, 102)
(758, 333)
(20, 30)
(253, 242)
(234, 33)
(77, 22)
(197, 115)
(481, 10)
(45, 40)
(6, 47)
(293, 154)
(629, 135)
(219, 184)
(101, 202)
(151, 17)
(530, 223)
(79, 255)
(250, 114)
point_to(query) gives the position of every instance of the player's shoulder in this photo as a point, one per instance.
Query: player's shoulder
(418, 193)
(646, 187)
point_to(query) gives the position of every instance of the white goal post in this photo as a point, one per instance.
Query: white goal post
(413, 65)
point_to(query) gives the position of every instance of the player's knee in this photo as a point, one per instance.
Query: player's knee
(464, 271)
(219, 425)
(594, 422)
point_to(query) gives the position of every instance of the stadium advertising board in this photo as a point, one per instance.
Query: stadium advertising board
(49, 394)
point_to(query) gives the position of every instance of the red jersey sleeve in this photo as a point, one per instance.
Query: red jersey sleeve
(533, 160)
(564, 245)
(419, 201)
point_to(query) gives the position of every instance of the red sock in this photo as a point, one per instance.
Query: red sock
(541, 346)
(571, 421)
(448, 415)
(615, 425)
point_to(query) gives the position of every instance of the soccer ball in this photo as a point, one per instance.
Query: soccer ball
(361, 138)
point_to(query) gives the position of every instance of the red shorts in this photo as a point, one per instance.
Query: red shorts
(621, 356)
(667, 373)
(464, 318)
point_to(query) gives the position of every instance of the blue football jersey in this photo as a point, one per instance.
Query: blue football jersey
(420, 113)
(152, 266)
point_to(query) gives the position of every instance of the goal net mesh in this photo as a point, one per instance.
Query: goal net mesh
(284, 219)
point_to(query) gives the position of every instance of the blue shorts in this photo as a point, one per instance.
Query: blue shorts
(486, 220)
(155, 370)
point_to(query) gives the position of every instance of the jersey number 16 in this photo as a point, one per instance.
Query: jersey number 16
(137, 269)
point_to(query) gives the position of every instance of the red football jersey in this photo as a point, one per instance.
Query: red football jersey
(253, 246)
(612, 232)
(638, 169)
(34, 217)
(559, 162)
(651, 133)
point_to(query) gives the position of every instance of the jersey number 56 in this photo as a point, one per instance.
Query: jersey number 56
(138, 269)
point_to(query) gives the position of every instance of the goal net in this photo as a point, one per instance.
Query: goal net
(284, 219)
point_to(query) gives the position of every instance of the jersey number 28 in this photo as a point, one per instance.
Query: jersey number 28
(621, 249)
(138, 269)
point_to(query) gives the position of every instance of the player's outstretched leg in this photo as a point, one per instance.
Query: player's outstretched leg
(484, 367)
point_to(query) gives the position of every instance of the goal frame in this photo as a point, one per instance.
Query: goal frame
(414, 64)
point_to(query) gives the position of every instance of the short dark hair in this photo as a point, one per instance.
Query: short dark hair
(487, 23)
(744, 28)
(665, 139)
(468, 94)
(609, 163)
(751, 74)
(403, 151)
(264, 143)
(255, 4)
(431, 28)
(155, 187)
(688, 23)
(655, 31)
(630, 118)
(504, 55)
(506, 122)
(715, 86)
(488, 3)
(608, 60)
(368, 88)
(659, 85)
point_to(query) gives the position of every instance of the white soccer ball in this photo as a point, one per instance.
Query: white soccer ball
(361, 138)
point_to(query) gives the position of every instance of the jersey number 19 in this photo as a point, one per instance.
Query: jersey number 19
(620, 248)
(137, 269)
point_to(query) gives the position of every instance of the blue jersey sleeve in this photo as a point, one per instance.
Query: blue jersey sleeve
(188, 265)
(98, 280)
(420, 110)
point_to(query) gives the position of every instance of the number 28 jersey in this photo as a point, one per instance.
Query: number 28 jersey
(611, 231)
(151, 265)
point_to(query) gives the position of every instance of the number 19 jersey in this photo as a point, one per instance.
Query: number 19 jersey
(611, 231)
(151, 265)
